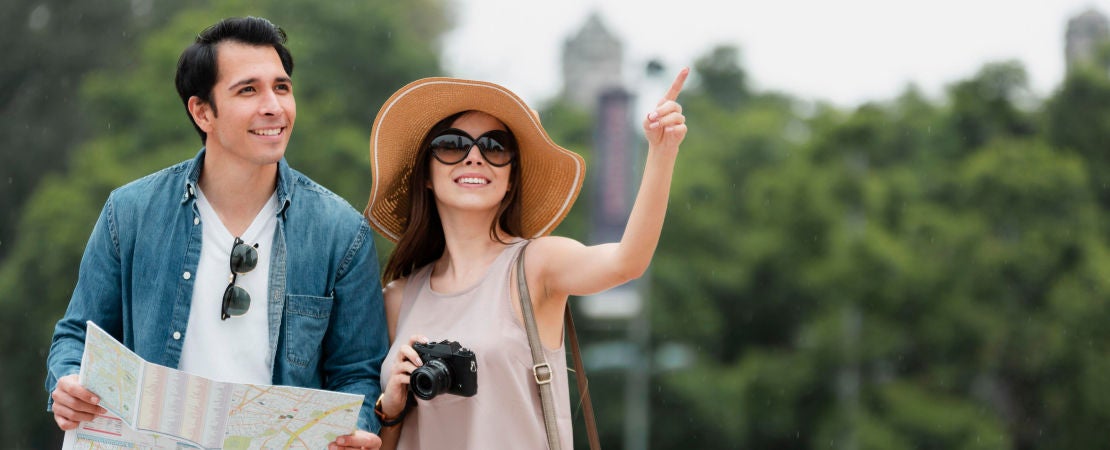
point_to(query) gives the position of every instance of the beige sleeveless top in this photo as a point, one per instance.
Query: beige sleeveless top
(506, 413)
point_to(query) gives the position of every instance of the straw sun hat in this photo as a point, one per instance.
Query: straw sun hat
(551, 176)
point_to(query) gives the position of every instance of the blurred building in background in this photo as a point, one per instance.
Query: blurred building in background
(592, 60)
(594, 82)
(1086, 39)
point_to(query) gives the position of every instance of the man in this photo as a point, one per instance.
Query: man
(232, 265)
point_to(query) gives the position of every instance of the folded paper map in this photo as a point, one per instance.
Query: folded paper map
(156, 407)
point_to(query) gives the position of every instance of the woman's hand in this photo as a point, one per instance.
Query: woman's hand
(665, 127)
(397, 388)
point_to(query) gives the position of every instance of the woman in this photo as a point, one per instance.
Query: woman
(464, 177)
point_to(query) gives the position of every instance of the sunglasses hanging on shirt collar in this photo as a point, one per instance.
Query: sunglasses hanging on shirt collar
(236, 299)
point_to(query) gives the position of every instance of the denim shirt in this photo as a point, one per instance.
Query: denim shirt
(327, 320)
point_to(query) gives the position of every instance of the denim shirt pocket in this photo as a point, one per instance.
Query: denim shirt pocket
(306, 324)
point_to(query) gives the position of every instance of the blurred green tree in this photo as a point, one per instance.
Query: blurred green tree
(874, 280)
(50, 46)
(1076, 119)
(995, 102)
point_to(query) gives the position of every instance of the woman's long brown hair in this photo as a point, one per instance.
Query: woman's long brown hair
(422, 241)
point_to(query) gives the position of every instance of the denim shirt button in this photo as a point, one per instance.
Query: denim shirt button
(176, 335)
(187, 275)
(196, 220)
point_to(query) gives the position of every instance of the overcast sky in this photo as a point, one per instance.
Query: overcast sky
(844, 51)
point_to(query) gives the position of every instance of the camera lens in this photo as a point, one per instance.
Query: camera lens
(430, 379)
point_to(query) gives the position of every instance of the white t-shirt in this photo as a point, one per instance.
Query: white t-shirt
(237, 349)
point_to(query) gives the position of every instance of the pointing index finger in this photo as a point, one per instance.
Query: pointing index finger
(676, 86)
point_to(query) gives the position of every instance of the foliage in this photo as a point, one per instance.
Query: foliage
(50, 46)
(903, 276)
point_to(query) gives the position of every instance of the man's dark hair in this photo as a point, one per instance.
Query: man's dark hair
(196, 69)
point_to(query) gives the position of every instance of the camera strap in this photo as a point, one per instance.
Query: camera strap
(542, 371)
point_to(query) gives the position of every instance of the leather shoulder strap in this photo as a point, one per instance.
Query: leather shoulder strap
(583, 383)
(542, 371)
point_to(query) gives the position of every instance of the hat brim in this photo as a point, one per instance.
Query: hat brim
(551, 176)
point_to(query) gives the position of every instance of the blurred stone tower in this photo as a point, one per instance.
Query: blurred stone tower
(1086, 34)
(592, 61)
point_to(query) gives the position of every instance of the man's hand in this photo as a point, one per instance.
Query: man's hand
(357, 440)
(73, 403)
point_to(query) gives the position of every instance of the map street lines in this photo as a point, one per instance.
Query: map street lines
(155, 407)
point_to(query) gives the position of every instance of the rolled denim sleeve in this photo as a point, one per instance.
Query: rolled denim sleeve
(97, 297)
(358, 339)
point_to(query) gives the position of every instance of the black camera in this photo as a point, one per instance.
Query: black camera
(448, 368)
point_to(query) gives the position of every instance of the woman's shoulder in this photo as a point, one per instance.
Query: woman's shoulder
(394, 290)
(393, 295)
(546, 245)
(545, 252)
